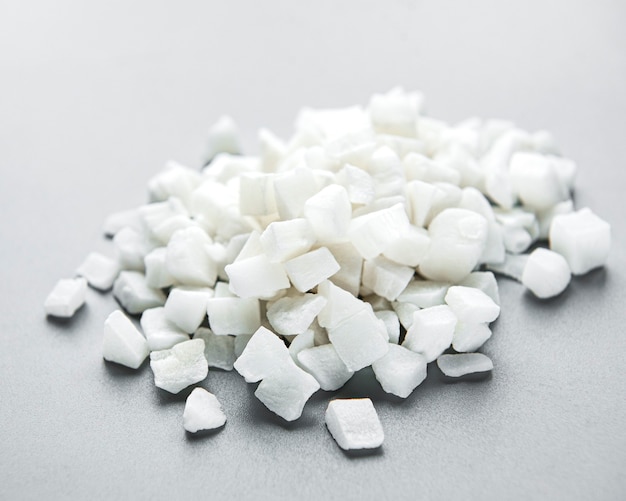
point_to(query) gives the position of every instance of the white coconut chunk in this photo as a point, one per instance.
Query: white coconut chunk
(426, 200)
(485, 281)
(386, 278)
(358, 184)
(471, 305)
(378, 204)
(535, 180)
(283, 240)
(157, 275)
(470, 336)
(134, 294)
(405, 312)
(301, 342)
(545, 218)
(392, 324)
(582, 238)
(424, 293)
(188, 260)
(340, 304)
(371, 233)
(182, 365)
(354, 423)
(186, 307)
(323, 363)
(386, 170)
(99, 270)
(516, 240)
(458, 238)
(123, 343)
(329, 212)
(175, 181)
(256, 277)
(420, 167)
(409, 248)
(132, 246)
(546, 273)
(154, 215)
(432, 331)
(512, 266)
(400, 371)
(203, 411)
(264, 353)
(210, 201)
(252, 247)
(160, 333)
(67, 295)
(351, 264)
(310, 269)
(122, 219)
(285, 392)
(292, 189)
(464, 363)
(223, 137)
(294, 315)
(256, 194)
(396, 112)
(234, 315)
(359, 340)
(219, 351)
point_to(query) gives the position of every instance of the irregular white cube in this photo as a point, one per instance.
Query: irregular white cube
(182, 365)
(256, 277)
(188, 260)
(292, 189)
(409, 248)
(432, 331)
(222, 289)
(67, 295)
(471, 305)
(386, 278)
(157, 275)
(134, 294)
(371, 233)
(175, 181)
(469, 336)
(123, 343)
(546, 273)
(203, 411)
(294, 315)
(582, 238)
(351, 263)
(132, 246)
(392, 324)
(186, 307)
(424, 293)
(405, 313)
(223, 137)
(219, 351)
(535, 180)
(485, 281)
(272, 149)
(160, 333)
(340, 304)
(354, 423)
(329, 212)
(301, 342)
(400, 371)
(234, 315)
(396, 112)
(161, 218)
(256, 194)
(464, 363)
(99, 270)
(283, 240)
(516, 240)
(323, 363)
(310, 269)
(358, 184)
(264, 354)
(545, 218)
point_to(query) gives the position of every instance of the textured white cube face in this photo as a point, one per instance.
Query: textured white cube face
(181, 366)
(99, 270)
(392, 324)
(256, 277)
(186, 307)
(424, 293)
(431, 332)
(351, 264)
(292, 189)
(535, 180)
(157, 276)
(471, 305)
(264, 354)
(294, 315)
(469, 337)
(219, 351)
(371, 233)
(386, 278)
(396, 112)
(310, 269)
(132, 245)
(485, 281)
(203, 411)
(358, 184)
(329, 213)
(283, 240)
(340, 304)
(354, 423)
(323, 363)
(582, 238)
(546, 273)
(464, 363)
(66, 297)
(134, 294)
(160, 332)
(122, 342)
(256, 194)
(234, 315)
(400, 371)
(187, 258)
(409, 248)
(405, 313)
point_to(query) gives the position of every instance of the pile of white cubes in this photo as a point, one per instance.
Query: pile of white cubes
(369, 238)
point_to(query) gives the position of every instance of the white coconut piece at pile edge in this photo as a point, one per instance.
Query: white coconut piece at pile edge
(134, 294)
(546, 273)
(99, 270)
(122, 342)
(186, 307)
(203, 411)
(471, 305)
(264, 354)
(400, 371)
(323, 363)
(233, 315)
(181, 366)
(354, 423)
(160, 333)
(66, 297)
(464, 363)
(432, 331)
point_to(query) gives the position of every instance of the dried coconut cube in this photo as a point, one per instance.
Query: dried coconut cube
(203, 411)
(154, 215)
(256, 277)
(188, 260)
(286, 391)
(392, 324)
(424, 293)
(181, 366)
(301, 342)
(186, 307)
(545, 218)
(386, 278)
(582, 238)
(234, 315)
(464, 363)
(358, 184)
(283, 240)
(351, 264)
(371, 233)
(340, 304)
(157, 275)
(160, 333)
(66, 297)
(122, 342)
(470, 336)
(405, 313)
(134, 294)
(323, 363)
(292, 189)
(223, 137)
(310, 269)
(264, 354)
(516, 240)
(132, 246)
(99, 270)
(219, 351)
(396, 112)
(175, 180)
(432, 331)
(294, 315)
(546, 273)
(485, 281)
(329, 212)
(256, 194)
(535, 180)
(471, 305)
(400, 371)
(354, 424)
(409, 248)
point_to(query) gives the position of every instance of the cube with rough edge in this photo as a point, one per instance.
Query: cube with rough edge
(471, 305)
(134, 294)
(156, 272)
(219, 351)
(432, 331)
(485, 281)
(470, 336)
(386, 278)
(241, 341)
(122, 342)
(535, 180)
(256, 277)
(464, 363)
(340, 304)
(424, 293)
(351, 263)
(354, 423)
(160, 332)
(301, 342)
(371, 233)
(310, 269)
(293, 315)
(409, 248)
(203, 411)
(186, 307)
(329, 212)
(66, 297)
(234, 315)
(283, 240)
(405, 313)
(400, 371)
(323, 363)
(188, 260)
(256, 194)
(392, 324)
(99, 270)
(546, 273)
(264, 354)
(132, 245)
(181, 366)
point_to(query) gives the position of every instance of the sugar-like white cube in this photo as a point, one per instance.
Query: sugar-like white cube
(340, 304)
(329, 212)
(234, 315)
(67, 295)
(203, 411)
(396, 112)
(351, 263)
(187, 258)
(218, 350)
(470, 336)
(400, 371)
(386, 278)
(264, 354)
(535, 180)
(471, 305)
(186, 307)
(323, 363)
(432, 331)
(132, 245)
(256, 194)
(160, 332)
(410, 247)
(310, 269)
(175, 180)
(293, 315)
(134, 294)
(122, 342)
(157, 275)
(546, 273)
(99, 270)
(301, 342)
(371, 233)
(582, 238)
(256, 277)
(464, 363)
(358, 184)
(405, 313)
(292, 189)
(354, 423)
(392, 324)
(283, 240)
(485, 281)
(182, 365)
(424, 293)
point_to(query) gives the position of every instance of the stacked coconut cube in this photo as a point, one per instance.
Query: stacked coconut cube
(363, 240)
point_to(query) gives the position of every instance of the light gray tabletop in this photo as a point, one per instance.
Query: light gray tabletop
(96, 96)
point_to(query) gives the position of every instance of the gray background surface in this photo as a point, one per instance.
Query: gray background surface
(96, 96)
